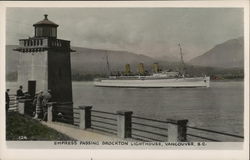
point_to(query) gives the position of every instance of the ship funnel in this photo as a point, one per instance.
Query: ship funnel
(127, 69)
(156, 68)
(141, 69)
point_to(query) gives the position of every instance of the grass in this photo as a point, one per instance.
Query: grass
(19, 127)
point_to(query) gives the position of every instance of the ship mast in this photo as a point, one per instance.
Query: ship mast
(182, 61)
(107, 60)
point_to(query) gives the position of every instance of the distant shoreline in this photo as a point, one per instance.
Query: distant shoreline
(228, 80)
(219, 80)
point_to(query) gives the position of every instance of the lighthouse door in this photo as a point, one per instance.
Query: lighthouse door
(32, 88)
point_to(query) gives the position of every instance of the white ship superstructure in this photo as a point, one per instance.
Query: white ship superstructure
(153, 82)
(159, 79)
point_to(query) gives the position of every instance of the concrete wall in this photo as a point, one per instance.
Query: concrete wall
(59, 75)
(33, 66)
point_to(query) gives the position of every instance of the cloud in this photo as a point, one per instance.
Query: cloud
(149, 31)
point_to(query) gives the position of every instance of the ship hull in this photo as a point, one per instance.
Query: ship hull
(155, 83)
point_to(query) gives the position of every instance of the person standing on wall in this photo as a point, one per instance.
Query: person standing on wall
(7, 100)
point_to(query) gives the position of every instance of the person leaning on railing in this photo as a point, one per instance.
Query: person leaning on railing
(34, 101)
(22, 95)
(19, 93)
(39, 100)
(46, 98)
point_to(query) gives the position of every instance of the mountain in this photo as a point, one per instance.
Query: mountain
(86, 60)
(168, 58)
(11, 58)
(93, 61)
(229, 54)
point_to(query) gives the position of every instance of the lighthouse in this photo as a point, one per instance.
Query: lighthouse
(44, 63)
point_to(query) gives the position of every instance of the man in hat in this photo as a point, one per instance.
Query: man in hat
(19, 92)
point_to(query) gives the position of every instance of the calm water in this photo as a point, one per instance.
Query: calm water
(219, 107)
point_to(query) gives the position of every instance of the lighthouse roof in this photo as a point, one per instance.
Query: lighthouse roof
(45, 22)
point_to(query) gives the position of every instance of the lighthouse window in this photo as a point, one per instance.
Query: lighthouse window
(53, 32)
(38, 31)
(45, 31)
(49, 32)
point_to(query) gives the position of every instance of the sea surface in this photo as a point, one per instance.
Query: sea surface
(219, 107)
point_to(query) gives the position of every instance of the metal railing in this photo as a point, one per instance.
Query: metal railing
(76, 116)
(104, 121)
(124, 125)
(13, 105)
(146, 129)
(213, 132)
(143, 130)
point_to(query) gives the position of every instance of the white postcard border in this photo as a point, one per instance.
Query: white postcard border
(10, 153)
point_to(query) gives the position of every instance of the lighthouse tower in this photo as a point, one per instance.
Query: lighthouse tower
(44, 62)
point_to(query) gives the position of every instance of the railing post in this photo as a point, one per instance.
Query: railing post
(24, 106)
(50, 111)
(124, 124)
(85, 117)
(177, 130)
(21, 106)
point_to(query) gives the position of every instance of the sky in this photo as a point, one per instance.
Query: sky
(154, 32)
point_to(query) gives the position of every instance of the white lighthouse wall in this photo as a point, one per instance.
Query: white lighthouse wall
(33, 66)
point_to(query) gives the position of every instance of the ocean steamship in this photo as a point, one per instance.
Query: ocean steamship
(159, 79)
